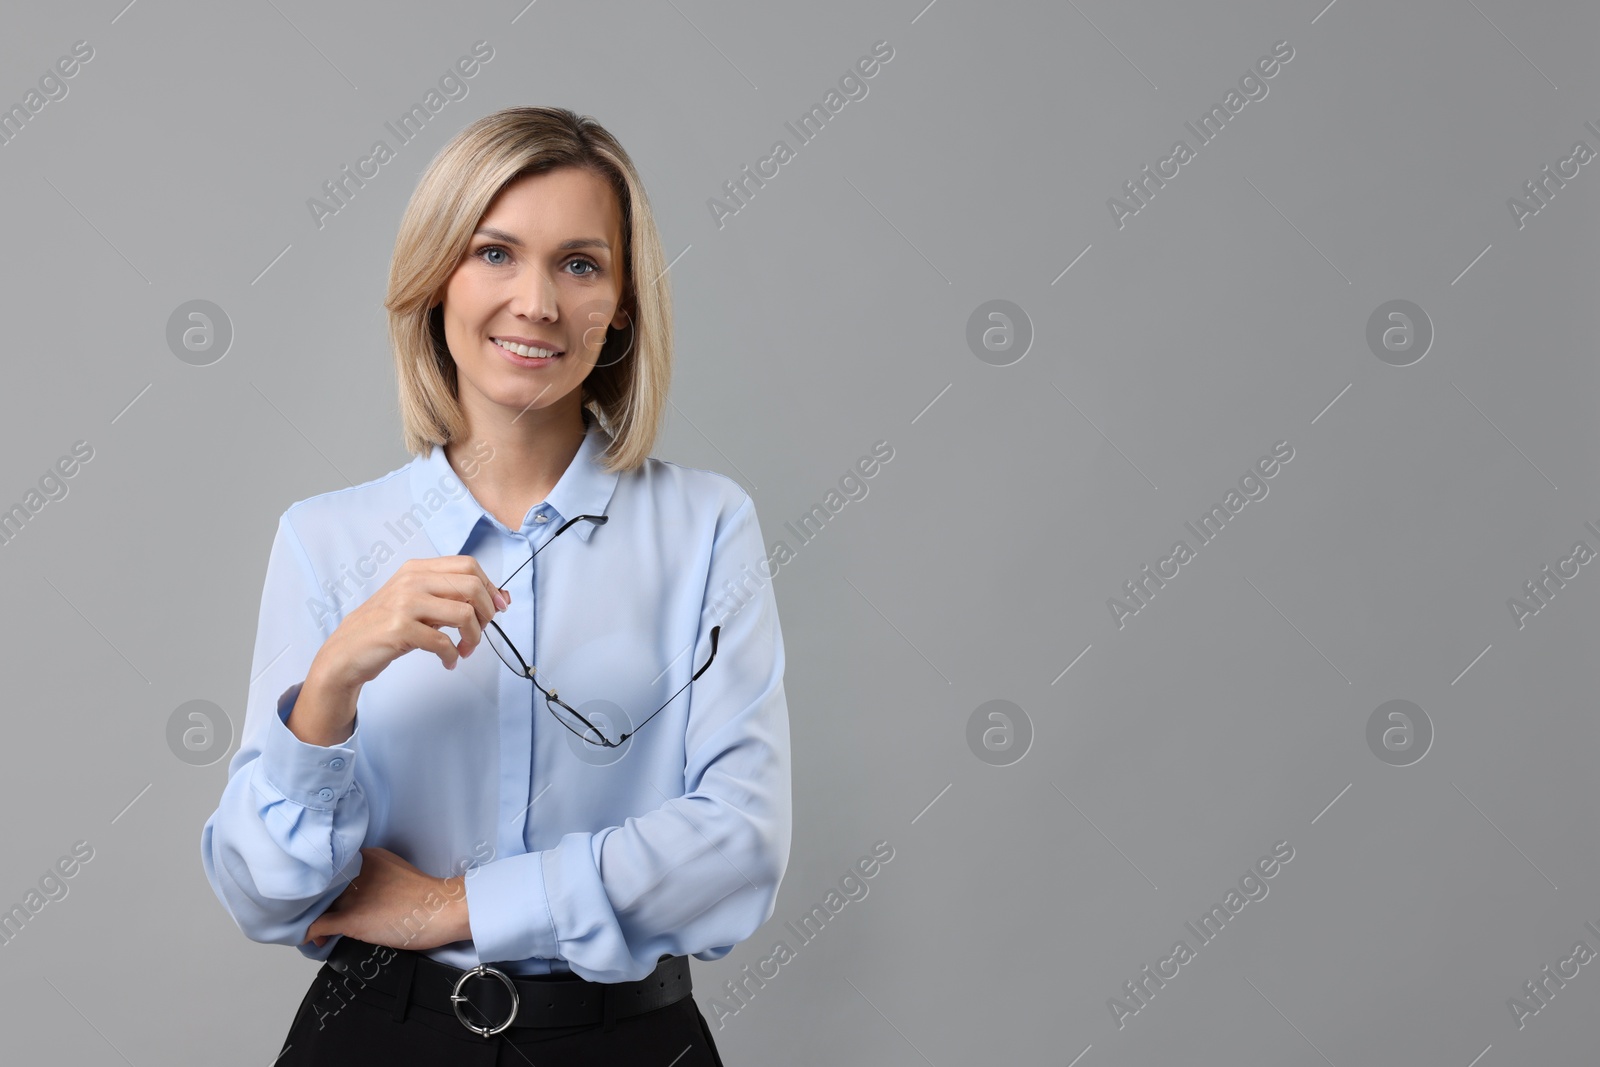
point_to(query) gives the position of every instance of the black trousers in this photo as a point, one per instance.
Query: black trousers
(371, 1027)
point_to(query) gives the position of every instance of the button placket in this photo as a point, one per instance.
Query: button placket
(515, 719)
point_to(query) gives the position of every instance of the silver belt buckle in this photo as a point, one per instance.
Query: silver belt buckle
(483, 970)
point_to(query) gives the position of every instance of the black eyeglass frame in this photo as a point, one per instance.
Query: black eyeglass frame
(523, 669)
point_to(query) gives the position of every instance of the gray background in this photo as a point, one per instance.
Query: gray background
(832, 311)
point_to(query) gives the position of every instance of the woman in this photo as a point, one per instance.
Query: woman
(516, 848)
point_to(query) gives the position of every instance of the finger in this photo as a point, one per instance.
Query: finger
(461, 576)
(476, 594)
(476, 569)
(418, 635)
(471, 567)
(442, 611)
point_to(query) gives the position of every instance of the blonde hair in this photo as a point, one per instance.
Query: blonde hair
(627, 389)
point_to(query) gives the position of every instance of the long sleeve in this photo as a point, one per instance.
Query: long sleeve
(699, 873)
(285, 838)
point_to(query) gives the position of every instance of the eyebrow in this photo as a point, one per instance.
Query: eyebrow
(513, 240)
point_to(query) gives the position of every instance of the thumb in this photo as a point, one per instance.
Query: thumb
(317, 933)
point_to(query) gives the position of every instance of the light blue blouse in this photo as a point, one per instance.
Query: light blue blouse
(576, 857)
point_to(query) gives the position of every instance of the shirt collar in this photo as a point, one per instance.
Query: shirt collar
(450, 511)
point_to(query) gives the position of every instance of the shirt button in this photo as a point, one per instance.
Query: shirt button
(324, 795)
(336, 763)
(541, 517)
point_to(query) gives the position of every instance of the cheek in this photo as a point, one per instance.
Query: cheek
(469, 292)
(590, 320)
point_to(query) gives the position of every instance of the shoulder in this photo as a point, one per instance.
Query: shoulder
(704, 490)
(705, 507)
(386, 495)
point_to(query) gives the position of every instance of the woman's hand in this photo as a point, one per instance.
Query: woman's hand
(406, 612)
(392, 903)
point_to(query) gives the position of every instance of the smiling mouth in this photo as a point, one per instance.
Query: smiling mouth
(525, 353)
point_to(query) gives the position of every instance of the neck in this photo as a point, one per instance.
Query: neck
(511, 465)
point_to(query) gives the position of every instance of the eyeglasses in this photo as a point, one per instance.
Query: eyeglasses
(565, 713)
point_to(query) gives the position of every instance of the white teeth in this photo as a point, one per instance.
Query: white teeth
(524, 350)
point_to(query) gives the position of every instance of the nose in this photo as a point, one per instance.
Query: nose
(536, 296)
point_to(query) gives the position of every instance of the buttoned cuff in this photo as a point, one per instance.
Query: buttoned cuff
(313, 776)
(508, 910)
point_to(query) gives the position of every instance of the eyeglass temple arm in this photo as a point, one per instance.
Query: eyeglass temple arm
(598, 520)
(715, 630)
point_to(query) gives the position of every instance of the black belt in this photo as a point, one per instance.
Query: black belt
(487, 1000)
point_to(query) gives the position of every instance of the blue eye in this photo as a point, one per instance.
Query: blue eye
(482, 253)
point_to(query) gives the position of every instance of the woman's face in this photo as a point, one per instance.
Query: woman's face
(545, 267)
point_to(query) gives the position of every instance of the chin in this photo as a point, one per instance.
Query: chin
(532, 398)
